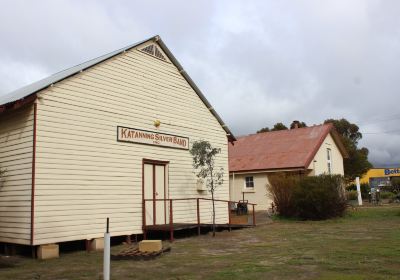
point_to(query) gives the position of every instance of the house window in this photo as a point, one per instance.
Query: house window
(329, 160)
(249, 182)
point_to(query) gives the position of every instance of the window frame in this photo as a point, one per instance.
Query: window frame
(249, 182)
(329, 159)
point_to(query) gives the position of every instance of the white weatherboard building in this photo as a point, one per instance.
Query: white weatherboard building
(97, 139)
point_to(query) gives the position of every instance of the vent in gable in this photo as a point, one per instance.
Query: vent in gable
(153, 50)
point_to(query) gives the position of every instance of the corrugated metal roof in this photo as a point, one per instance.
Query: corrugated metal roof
(284, 149)
(39, 85)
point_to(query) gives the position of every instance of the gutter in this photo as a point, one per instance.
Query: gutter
(14, 105)
(257, 171)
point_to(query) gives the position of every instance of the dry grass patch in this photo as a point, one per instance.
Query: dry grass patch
(363, 245)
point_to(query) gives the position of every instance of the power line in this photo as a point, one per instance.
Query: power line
(382, 132)
(380, 120)
(384, 116)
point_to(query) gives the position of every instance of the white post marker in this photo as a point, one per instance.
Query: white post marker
(358, 191)
(106, 258)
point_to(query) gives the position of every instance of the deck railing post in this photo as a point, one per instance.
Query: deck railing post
(144, 219)
(171, 222)
(198, 216)
(254, 216)
(229, 215)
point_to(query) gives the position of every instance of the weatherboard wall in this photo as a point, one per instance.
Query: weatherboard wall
(16, 141)
(257, 195)
(319, 165)
(83, 174)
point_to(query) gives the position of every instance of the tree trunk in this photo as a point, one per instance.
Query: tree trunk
(213, 204)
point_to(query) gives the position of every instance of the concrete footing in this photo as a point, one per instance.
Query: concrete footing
(96, 244)
(48, 251)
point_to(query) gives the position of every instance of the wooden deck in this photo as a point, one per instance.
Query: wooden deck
(238, 217)
(171, 228)
(183, 226)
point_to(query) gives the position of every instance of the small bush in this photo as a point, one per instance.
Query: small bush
(313, 198)
(280, 189)
(320, 197)
(387, 195)
(364, 188)
(351, 195)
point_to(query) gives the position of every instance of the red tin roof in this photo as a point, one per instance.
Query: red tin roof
(283, 149)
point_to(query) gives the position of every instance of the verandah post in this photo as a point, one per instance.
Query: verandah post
(229, 215)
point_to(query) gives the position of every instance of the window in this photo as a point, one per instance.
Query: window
(329, 160)
(249, 182)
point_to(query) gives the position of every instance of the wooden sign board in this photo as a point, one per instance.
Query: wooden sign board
(133, 135)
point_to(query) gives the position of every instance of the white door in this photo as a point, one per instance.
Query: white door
(155, 188)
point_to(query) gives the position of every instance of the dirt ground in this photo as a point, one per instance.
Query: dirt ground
(363, 245)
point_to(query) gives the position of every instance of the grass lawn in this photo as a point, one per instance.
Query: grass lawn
(363, 245)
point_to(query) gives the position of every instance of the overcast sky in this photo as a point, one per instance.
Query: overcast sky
(258, 62)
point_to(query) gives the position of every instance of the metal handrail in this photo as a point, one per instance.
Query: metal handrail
(194, 198)
(171, 219)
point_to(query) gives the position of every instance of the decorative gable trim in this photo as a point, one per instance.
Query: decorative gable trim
(153, 50)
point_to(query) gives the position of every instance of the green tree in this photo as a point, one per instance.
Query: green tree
(395, 181)
(204, 164)
(349, 131)
(264, 129)
(357, 164)
(279, 126)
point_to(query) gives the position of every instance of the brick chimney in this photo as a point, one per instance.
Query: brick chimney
(294, 125)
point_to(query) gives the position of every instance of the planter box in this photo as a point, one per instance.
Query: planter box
(239, 220)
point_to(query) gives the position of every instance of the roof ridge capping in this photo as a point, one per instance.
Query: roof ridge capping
(29, 92)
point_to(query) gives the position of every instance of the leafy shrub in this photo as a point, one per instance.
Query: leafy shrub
(395, 182)
(280, 189)
(320, 197)
(314, 198)
(364, 188)
(387, 195)
(351, 195)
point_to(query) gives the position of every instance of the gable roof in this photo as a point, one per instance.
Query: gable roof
(28, 93)
(283, 149)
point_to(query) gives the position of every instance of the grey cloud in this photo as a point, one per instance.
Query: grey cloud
(258, 63)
